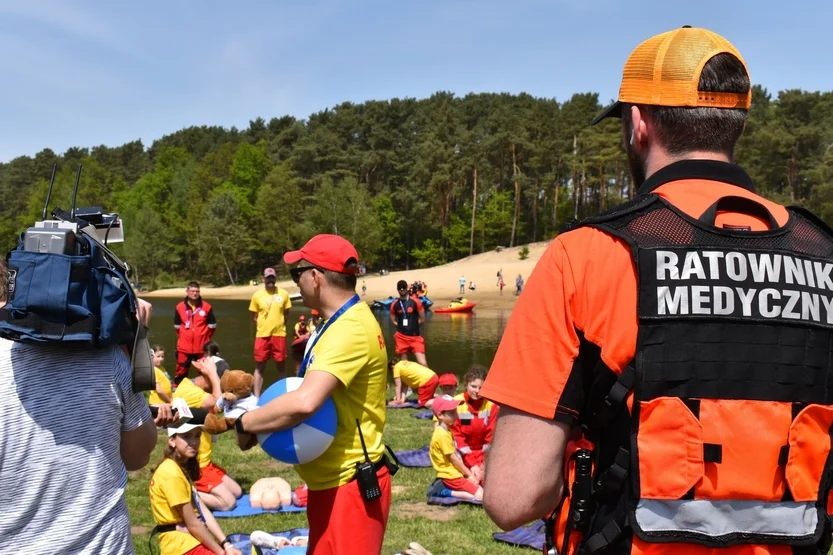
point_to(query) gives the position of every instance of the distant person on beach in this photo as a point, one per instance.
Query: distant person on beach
(269, 308)
(408, 315)
(195, 325)
(519, 284)
(462, 285)
(501, 284)
(499, 276)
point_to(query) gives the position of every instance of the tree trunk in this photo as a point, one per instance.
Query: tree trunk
(582, 189)
(576, 184)
(517, 197)
(602, 187)
(535, 209)
(792, 177)
(473, 211)
(225, 263)
(555, 209)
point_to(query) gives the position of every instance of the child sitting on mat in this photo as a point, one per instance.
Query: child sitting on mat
(445, 459)
(184, 523)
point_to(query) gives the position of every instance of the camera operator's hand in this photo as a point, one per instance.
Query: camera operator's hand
(164, 416)
(143, 311)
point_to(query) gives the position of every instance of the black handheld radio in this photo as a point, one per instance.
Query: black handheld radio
(366, 473)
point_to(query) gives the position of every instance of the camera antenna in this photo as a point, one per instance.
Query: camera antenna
(49, 191)
(75, 191)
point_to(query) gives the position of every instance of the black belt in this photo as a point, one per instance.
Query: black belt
(162, 528)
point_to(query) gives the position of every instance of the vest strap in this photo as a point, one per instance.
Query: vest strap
(611, 533)
(613, 401)
(610, 482)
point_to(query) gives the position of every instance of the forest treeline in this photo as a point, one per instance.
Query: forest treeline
(412, 182)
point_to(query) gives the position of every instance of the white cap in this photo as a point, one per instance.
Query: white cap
(182, 428)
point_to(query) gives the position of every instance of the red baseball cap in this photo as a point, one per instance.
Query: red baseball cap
(329, 252)
(448, 379)
(270, 272)
(444, 403)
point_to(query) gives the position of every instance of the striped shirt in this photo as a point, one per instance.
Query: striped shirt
(62, 479)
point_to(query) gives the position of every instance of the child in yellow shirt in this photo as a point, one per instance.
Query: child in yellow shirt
(184, 523)
(163, 392)
(447, 462)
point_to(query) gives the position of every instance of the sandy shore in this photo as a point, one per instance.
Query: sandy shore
(442, 281)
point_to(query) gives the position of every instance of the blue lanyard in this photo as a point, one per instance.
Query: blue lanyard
(316, 335)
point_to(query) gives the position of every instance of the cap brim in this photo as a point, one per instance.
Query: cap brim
(612, 111)
(182, 428)
(292, 257)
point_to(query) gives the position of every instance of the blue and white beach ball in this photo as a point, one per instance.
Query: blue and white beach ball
(308, 440)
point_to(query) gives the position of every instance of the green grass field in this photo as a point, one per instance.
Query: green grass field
(461, 530)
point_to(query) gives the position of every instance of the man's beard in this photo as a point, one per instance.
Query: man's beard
(637, 168)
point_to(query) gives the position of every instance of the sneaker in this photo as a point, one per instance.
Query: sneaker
(264, 539)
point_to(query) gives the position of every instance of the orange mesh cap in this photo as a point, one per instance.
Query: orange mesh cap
(665, 71)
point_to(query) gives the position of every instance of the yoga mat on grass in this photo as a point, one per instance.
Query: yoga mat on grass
(423, 415)
(531, 535)
(244, 508)
(241, 542)
(449, 501)
(416, 458)
(407, 405)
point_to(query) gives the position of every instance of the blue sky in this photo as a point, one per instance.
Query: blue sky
(84, 73)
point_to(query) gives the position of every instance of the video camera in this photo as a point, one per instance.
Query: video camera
(66, 285)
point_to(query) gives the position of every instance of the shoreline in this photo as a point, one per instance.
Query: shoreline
(442, 281)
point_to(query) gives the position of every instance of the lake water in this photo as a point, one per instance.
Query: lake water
(453, 341)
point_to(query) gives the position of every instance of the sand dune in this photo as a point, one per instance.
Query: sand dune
(442, 281)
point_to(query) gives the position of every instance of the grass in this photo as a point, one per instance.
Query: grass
(459, 530)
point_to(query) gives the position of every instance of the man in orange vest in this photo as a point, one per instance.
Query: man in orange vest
(669, 361)
(195, 325)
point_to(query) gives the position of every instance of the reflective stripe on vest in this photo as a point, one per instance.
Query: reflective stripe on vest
(715, 519)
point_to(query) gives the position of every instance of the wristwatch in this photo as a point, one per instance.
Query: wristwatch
(238, 425)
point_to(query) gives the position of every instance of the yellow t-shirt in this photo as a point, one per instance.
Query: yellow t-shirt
(353, 350)
(169, 488)
(442, 447)
(269, 308)
(194, 396)
(414, 375)
(298, 327)
(164, 380)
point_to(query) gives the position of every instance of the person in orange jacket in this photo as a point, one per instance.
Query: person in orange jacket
(475, 424)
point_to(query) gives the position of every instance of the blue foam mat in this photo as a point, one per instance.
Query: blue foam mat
(244, 508)
(448, 501)
(531, 535)
(423, 415)
(407, 405)
(241, 542)
(416, 458)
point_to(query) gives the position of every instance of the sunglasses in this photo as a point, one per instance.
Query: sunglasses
(296, 272)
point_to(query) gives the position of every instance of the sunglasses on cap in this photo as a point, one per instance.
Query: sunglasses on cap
(296, 272)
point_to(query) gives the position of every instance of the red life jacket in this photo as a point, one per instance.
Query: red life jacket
(194, 327)
(475, 424)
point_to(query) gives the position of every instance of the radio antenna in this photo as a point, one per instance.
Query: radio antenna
(49, 191)
(75, 191)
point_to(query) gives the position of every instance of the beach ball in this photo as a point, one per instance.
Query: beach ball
(306, 441)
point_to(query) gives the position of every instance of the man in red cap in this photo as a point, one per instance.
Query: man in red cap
(269, 308)
(346, 360)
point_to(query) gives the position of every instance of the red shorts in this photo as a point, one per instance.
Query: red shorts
(460, 484)
(426, 391)
(408, 343)
(266, 347)
(342, 523)
(199, 550)
(211, 476)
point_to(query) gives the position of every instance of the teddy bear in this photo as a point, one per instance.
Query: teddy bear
(237, 398)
